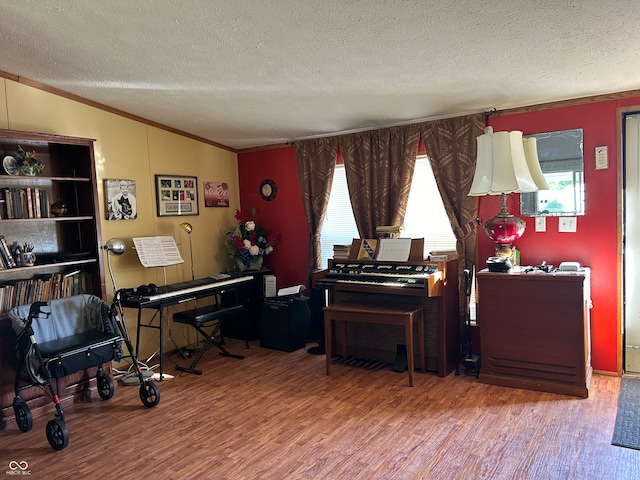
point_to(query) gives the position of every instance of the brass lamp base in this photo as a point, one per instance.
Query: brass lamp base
(504, 251)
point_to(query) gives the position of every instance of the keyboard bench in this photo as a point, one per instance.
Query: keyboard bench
(202, 315)
(200, 318)
(389, 315)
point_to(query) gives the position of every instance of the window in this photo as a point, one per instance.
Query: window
(425, 218)
(339, 227)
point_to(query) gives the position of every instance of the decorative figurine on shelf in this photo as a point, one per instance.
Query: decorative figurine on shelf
(59, 208)
(27, 162)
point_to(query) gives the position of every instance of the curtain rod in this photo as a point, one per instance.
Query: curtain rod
(399, 124)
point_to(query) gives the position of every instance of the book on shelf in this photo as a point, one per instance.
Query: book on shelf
(6, 253)
(36, 200)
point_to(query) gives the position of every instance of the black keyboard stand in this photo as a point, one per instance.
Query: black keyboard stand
(203, 317)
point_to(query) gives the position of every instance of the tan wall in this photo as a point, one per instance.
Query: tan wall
(129, 149)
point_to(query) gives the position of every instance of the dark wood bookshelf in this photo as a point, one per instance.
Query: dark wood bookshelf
(63, 244)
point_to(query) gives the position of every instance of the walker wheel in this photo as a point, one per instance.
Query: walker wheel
(57, 434)
(105, 386)
(149, 394)
(24, 419)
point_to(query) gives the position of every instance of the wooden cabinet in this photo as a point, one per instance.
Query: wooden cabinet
(534, 330)
(69, 256)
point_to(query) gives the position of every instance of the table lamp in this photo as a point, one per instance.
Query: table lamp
(506, 163)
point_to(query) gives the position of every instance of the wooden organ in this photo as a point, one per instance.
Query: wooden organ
(432, 286)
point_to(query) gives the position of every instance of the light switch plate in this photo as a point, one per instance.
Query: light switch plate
(567, 224)
(541, 224)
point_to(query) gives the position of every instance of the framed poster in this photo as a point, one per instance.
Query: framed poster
(176, 195)
(120, 196)
(216, 194)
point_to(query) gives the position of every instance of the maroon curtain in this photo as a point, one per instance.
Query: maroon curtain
(379, 166)
(316, 160)
(450, 145)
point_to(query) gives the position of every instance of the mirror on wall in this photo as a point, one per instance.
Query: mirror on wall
(561, 161)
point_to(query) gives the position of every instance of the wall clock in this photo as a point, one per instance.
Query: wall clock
(268, 189)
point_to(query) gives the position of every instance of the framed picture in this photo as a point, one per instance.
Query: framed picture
(120, 197)
(216, 194)
(176, 195)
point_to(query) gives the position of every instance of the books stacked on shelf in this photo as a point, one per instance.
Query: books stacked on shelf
(341, 251)
(57, 285)
(442, 255)
(6, 258)
(24, 203)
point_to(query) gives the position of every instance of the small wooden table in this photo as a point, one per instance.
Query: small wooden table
(390, 315)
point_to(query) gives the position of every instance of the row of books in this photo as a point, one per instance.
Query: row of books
(24, 203)
(57, 285)
(442, 255)
(341, 251)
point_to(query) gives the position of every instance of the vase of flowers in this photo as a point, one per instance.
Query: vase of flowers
(27, 163)
(249, 242)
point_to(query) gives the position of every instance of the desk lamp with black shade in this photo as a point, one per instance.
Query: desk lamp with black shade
(506, 163)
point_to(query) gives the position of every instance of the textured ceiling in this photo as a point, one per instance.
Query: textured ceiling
(246, 73)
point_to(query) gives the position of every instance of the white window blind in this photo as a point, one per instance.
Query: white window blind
(339, 227)
(425, 218)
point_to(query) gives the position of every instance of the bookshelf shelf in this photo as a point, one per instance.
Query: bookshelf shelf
(49, 219)
(19, 273)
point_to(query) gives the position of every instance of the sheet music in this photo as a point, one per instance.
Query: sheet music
(283, 292)
(157, 251)
(394, 249)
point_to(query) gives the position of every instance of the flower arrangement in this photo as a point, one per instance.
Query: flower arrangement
(28, 164)
(249, 241)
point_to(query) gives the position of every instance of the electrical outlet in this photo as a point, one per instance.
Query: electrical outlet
(568, 224)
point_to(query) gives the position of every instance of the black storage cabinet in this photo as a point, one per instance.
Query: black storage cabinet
(246, 325)
(284, 323)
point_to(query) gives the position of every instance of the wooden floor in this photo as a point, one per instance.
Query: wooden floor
(276, 415)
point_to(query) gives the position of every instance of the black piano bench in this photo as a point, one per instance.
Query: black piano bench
(201, 318)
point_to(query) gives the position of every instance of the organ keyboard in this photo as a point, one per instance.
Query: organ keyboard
(423, 276)
(433, 286)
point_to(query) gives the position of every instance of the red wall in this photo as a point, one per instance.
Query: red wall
(594, 244)
(283, 215)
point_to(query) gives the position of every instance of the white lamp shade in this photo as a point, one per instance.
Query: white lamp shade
(531, 153)
(501, 166)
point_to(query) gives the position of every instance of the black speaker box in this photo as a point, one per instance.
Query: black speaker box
(284, 323)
